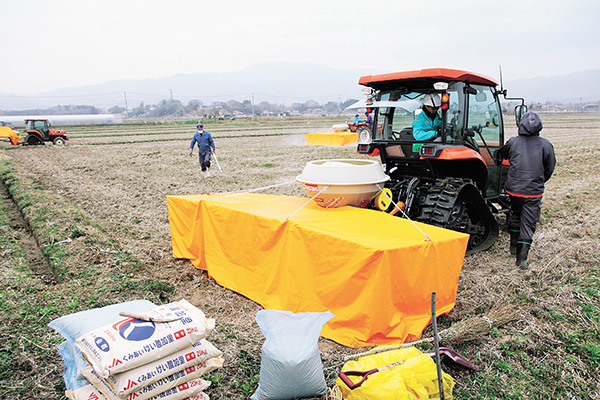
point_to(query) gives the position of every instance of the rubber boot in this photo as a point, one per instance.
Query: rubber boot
(522, 252)
(514, 236)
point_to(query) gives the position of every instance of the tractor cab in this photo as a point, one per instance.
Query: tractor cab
(470, 129)
(38, 131)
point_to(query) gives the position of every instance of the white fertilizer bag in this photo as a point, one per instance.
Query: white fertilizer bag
(181, 391)
(87, 392)
(73, 326)
(202, 355)
(291, 364)
(131, 342)
(147, 392)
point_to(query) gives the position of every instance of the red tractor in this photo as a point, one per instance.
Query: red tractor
(38, 131)
(452, 181)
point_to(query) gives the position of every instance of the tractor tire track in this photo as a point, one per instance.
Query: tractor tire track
(36, 259)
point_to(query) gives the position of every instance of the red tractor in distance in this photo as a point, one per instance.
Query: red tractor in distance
(38, 131)
(452, 181)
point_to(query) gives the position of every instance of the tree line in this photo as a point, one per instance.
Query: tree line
(195, 108)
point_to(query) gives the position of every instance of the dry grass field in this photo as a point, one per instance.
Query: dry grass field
(97, 211)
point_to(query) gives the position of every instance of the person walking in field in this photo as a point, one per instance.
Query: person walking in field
(206, 146)
(532, 161)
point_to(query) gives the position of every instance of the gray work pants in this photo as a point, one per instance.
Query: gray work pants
(525, 213)
(204, 160)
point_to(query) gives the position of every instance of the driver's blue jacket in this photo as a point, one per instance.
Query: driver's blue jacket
(424, 128)
(204, 140)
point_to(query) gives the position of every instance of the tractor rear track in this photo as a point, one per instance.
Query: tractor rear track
(36, 259)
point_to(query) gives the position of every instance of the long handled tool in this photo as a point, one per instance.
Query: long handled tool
(436, 343)
(217, 161)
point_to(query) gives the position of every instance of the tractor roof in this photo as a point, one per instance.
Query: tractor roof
(391, 80)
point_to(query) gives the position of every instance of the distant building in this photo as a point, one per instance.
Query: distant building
(19, 120)
(590, 108)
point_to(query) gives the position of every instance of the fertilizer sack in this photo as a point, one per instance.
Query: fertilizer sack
(181, 391)
(201, 356)
(163, 385)
(87, 392)
(72, 326)
(415, 378)
(291, 364)
(130, 342)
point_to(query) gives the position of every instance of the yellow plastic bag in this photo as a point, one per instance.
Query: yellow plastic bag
(414, 378)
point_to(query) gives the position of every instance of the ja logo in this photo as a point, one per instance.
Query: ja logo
(102, 344)
(137, 330)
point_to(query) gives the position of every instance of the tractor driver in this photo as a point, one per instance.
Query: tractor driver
(428, 123)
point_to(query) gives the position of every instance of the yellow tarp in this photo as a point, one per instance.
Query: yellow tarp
(331, 138)
(374, 271)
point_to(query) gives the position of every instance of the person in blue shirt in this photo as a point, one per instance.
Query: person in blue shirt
(427, 125)
(356, 120)
(206, 145)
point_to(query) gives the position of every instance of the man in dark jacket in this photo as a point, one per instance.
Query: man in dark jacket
(532, 163)
(205, 145)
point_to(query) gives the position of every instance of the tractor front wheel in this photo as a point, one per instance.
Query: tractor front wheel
(59, 141)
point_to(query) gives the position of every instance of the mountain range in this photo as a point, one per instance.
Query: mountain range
(284, 83)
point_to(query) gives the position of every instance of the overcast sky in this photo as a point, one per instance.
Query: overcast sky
(63, 43)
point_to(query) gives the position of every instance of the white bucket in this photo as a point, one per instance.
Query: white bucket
(342, 181)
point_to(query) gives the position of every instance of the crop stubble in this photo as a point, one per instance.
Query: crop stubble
(125, 186)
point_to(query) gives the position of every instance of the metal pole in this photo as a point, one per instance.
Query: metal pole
(436, 343)
(126, 108)
(218, 165)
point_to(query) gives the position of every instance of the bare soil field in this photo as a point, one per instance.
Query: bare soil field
(97, 208)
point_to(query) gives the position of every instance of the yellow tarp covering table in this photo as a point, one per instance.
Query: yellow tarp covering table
(374, 271)
(331, 138)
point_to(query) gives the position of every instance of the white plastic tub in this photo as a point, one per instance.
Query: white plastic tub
(342, 181)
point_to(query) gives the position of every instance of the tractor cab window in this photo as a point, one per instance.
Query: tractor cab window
(397, 110)
(484, 120)
(454, 116)
(39, 125)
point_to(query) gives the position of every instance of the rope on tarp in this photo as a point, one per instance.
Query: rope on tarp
(427, 237)
(304, 205)
(232, 194)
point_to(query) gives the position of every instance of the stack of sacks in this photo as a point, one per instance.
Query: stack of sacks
(73, 326)
(157, 354)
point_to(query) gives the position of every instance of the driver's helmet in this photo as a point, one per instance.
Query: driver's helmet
(432, 100)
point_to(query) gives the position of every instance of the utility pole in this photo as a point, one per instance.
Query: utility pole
(252, 105)
(171, 90)
(339, 103)
(126, 108)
